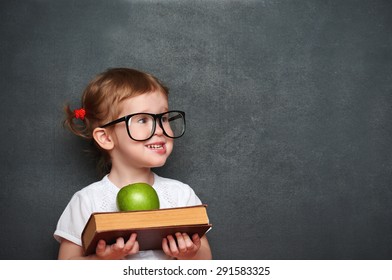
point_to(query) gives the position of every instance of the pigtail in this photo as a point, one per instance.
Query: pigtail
(77, 122)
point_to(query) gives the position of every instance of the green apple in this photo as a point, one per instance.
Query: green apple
(137, 196)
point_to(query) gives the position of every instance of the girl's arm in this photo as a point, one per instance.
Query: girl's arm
(69, 250)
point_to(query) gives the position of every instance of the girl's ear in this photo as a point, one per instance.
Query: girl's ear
(103, 138)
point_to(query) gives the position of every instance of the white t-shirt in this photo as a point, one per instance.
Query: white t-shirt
(101, 197)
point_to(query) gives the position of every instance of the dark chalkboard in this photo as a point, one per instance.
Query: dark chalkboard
(288, 109)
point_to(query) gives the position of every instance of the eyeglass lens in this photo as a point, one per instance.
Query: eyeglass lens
(142, 126)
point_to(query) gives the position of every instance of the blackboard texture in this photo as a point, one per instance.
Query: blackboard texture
(288, 109)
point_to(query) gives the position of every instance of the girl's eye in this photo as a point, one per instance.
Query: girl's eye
(142, 120)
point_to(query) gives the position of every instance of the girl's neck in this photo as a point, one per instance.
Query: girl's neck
(122, 178)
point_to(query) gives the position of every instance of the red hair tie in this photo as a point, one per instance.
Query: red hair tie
(80, 113)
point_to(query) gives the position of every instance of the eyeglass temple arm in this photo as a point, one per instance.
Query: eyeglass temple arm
(114, 122)
(179, 116)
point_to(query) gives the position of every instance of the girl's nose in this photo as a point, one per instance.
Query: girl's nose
(158, 129)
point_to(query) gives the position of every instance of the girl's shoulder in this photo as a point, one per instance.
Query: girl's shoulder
(102, 185)
(100, 195)
(175, 193)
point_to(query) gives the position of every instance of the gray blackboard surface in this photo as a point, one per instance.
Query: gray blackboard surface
(288, 109)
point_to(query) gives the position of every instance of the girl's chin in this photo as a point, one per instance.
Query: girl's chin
(158, 163)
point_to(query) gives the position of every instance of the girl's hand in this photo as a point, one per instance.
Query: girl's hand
(183, 248)
(118, 250)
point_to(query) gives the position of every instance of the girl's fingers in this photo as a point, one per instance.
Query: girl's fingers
(172, 245)
(131, 242)
(188, 242)
(181, 243)
(119, 245)
(135, 248)
(101, 246)
(196, 240)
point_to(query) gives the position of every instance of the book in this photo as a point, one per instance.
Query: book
(151, 226)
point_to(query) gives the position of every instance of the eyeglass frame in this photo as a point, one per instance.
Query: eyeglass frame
(155, 116)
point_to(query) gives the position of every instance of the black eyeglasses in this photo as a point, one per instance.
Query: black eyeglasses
(141, 126)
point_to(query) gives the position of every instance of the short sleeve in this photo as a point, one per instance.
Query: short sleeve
(192, 199)
(73, 219)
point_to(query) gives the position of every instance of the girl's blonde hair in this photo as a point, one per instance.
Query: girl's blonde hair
(101, 100)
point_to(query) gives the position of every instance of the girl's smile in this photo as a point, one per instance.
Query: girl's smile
(157, 147)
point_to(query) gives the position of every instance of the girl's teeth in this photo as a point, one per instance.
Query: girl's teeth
(155, 146)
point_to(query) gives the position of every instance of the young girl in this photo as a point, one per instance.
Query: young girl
(126, 114)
